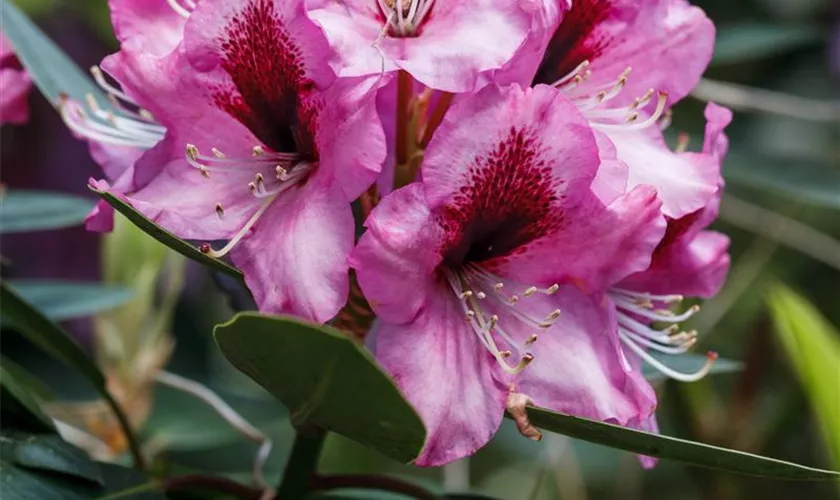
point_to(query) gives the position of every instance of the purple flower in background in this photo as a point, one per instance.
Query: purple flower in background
(14, 86)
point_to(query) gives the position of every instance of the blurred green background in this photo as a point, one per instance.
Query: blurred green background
(777, 60)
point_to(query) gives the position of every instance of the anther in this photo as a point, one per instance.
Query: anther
(192, 152)
(513, 299)
(553, 289)
(481, 295)
(533, 338)
(553, 315)
(632, 118)
(258, 150)
(281, 172)
(505, 354)
(252, 187)
(219, 210)
(494, 319)
(217, 153)
(465, 294)
(499, 286)
(530, 291)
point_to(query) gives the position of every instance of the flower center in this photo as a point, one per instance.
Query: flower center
(403, 18)
(126, 125)
(486, 307)
(265, 175)
(593, 102)
(640, 337)
(182, 7)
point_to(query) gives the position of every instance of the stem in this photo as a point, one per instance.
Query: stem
(211, 483)
(404, 92)
(444, 101)
(302, 464)
(133, 445)
(382, 483)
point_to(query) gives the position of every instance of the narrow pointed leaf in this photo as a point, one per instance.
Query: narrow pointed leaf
(324, 379)
(657, 445)
(19, 407)
(61, 300)
(48, 452)
(51, 69)
(165, 237)
(47, 335)
(23, 211)
(812, 345)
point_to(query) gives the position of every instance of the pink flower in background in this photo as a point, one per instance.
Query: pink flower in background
(148, 31)
(443, 45)
(14, 86)
(488, 275)
(624, 62)
(263, 149)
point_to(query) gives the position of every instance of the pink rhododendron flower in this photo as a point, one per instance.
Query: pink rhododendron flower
(148, 31)
(624, 62)
(488, 275)
(14, 86)
(263, 149)
(444, 45)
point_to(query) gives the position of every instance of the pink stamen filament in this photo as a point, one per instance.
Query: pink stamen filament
(182, 7)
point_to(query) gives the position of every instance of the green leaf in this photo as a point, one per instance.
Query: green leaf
(746, 42)
(51, 69)
(33, 385)
(324, 379)
(47, 335)
(812, 346)
(48, 452)
(19, 407)
(800, 180)
(61, 300)
(165, 237)
(122, 483)
(22, 211)
(689, 363)
(657, 445)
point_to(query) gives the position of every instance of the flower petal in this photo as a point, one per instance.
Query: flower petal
(397, 255)
(578, 365)
(667, 43)
(295, 258)
(148, 25)
(445, 373)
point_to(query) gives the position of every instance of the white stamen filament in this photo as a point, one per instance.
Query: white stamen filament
(472, 284)
(241, 233)
(640, 337)
(182, 7)
(404, 17)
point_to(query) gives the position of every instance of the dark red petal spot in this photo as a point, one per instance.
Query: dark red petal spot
(576, 40)
(675, 229)
(507, 202)
(273, 94)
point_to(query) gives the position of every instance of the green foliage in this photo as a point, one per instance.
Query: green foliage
(61, 300)
(18, 402)
(167, 238)
(23, 211)
(52, 71)
(812, 346)
(324, 379)
(657, 445)
(749, 41)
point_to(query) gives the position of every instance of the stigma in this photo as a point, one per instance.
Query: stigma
(489, 307)
(403, 18)
(640, 338)
(124, 124)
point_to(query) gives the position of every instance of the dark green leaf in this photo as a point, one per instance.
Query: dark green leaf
(747, 42)
(52, 70)
(165, 237)
(324, 379)
(656, 445)
(33, 385)
(22, 211)
(19, 407)
(122, 483)
(60, 300)
(48, 452)
(800, 180)
(21, 484)
(47, 335)
(689, 363)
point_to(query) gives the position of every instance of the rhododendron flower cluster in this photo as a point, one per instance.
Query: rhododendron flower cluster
(527, 228)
